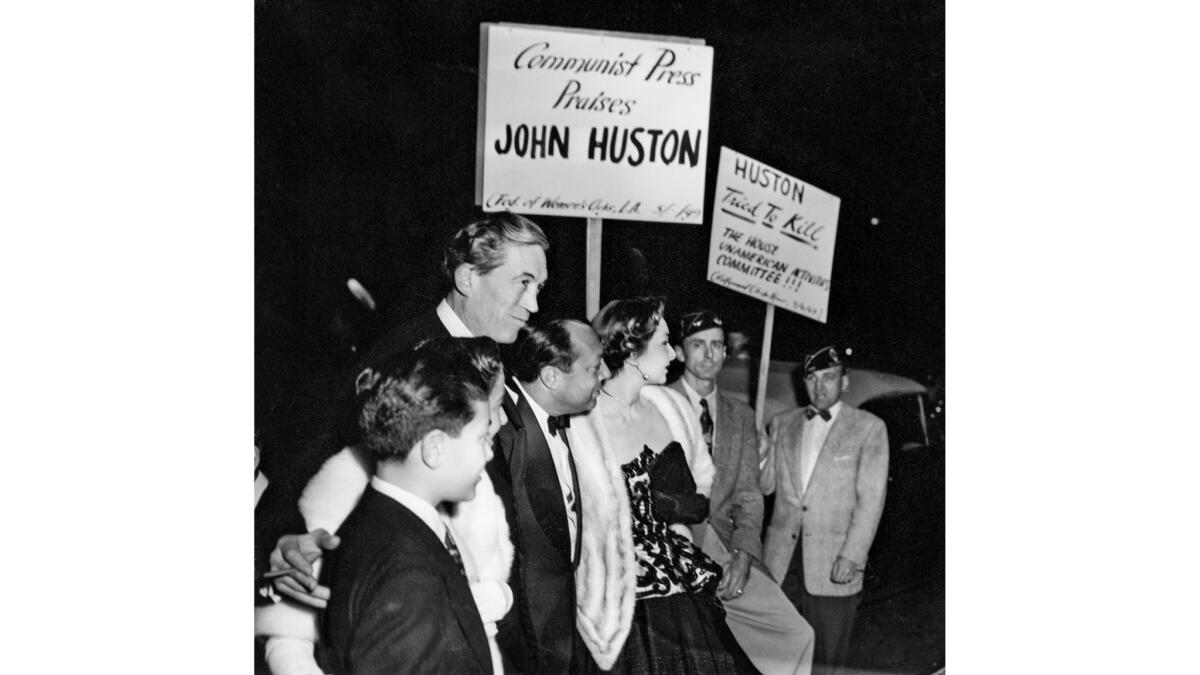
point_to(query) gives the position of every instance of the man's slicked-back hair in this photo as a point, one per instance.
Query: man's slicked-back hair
(538, 347)
(481, 243)
(626, 326)
(434, 386)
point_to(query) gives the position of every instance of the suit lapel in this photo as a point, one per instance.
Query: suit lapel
(578, 508)
(794, 462)
(505, 438)
(833, 440)
(725, 448)
(723, 433)
(540, 483)
(395, 515)
(467, 613)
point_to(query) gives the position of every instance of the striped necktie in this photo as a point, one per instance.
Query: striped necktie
(454, 552)
(706, 424)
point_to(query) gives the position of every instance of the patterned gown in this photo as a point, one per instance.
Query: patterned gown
(678, 622)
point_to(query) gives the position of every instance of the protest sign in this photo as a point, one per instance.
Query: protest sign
(772, 236)
(592, 124)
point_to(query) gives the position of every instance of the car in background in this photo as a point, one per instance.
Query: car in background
(909, 547)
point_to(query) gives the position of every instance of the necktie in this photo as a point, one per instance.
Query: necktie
(811, 412)
(706, 424)
(449, 542)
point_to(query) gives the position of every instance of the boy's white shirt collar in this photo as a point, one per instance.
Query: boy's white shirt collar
(427, 512)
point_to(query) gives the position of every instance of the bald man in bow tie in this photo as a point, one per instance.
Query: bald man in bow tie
(827, 463)
(557, 371)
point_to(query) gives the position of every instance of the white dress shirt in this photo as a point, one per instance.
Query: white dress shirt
(562, 465)
(816, 431)
(695, 398)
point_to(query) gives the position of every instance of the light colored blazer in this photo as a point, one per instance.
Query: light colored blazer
(840, 511)
(736, 504)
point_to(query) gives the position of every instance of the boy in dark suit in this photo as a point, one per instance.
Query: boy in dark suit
(400, 601)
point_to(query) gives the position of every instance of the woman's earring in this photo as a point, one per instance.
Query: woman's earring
(639, 369)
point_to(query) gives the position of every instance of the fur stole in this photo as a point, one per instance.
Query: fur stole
(606, 579)
(685, 428)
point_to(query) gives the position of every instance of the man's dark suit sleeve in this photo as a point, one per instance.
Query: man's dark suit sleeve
(401, 626)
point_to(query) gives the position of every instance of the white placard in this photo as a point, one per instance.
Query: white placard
(772, 236)
(592, 124)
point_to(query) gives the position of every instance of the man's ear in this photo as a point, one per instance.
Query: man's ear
(431, 448)
(463, 281)
(679, 353)
(549, 375)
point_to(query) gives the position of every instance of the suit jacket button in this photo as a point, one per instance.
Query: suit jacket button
(793, 536)
(803, 508)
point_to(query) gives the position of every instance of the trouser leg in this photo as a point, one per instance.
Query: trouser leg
(831, 618)
(765, 623)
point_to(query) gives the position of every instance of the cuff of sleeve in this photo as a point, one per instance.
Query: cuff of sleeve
(860, 565)
(744, 540)
(682, 530)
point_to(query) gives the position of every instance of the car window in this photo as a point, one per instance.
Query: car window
(902, 415)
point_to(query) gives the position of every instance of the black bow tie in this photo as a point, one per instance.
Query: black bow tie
(811, 412)
(559, 425)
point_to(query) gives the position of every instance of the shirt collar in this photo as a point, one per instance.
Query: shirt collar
(453, 323)
(833, 412)
(695, 397)
(427, 512)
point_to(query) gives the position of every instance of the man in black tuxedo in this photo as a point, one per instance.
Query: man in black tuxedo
(400, 598)
(496, 266)
(556, 372)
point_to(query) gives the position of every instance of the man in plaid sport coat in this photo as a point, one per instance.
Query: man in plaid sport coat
(827, 464)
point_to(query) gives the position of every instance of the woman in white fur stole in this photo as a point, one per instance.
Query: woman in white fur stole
(646, 595)
(480, 527)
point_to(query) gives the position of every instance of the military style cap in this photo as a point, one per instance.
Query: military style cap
(698, 321)
(825, 357)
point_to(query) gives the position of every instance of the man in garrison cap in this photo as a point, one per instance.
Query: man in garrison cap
(766, 625)
(827, 462)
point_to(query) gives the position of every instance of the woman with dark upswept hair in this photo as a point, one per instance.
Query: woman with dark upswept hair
(646, 594)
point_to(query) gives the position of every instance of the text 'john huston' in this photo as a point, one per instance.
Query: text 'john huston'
(605, 144)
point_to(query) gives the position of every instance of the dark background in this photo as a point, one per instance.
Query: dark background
(365, 125)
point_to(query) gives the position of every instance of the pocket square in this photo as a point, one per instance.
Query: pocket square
(843, 458)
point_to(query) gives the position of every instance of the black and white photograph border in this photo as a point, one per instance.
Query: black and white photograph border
(137, 222)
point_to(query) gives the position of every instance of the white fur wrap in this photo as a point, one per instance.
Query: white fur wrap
(606, 579)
